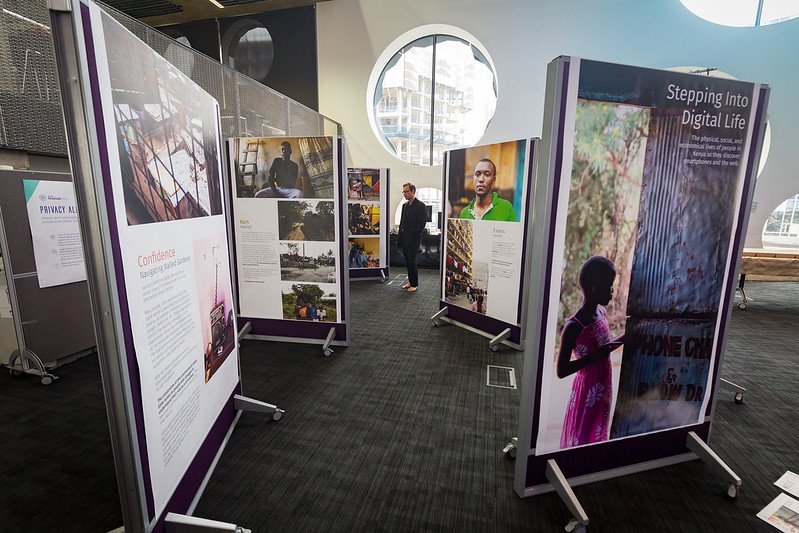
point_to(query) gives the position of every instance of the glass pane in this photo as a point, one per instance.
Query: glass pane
(465, 96)
(726, 12)
(252, 53)
(778, 10)
(781, 230)
(402, 102)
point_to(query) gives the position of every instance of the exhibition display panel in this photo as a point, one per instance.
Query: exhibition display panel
(486, 230)
(367, 223)
(288, 212)
(146, 152)
(642, 198)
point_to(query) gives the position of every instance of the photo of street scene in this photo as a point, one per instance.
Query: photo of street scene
(309, 301)
(307, 261)
(300, 220)
(363, 184)
(364, 219)
(465, 278)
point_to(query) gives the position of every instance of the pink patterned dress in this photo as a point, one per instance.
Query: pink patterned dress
(588, 412)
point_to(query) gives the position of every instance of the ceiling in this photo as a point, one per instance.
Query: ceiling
(167, 12)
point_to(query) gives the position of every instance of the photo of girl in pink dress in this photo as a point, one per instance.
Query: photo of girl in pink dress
(585, 348)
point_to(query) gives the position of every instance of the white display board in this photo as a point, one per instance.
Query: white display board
(53, 219)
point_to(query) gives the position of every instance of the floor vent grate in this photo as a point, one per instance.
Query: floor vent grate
(501, 376)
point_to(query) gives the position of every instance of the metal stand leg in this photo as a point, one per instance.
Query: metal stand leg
(493, 344)
(178, 523)
(326, 349)
(510, 448)
(243, 403)
(744, 299)
(698, 446)
(739, 396)
(383, 277)
(441, 313)
(245, 329)
(555, 476)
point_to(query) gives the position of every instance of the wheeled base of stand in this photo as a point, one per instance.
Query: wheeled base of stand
(444, 311)
(739, 394)
(700, 448)
(243, 403)
(27, 362)
(579, 521)
(494, 343)
(326, 349)
(178, 523)
(740, 288)
(510, 448)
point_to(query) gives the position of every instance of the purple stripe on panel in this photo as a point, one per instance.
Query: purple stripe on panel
(301, 329)
(492, 326)
(523, 281)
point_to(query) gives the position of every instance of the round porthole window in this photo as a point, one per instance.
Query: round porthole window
(247, 48)
(432, 90)
(743, 12)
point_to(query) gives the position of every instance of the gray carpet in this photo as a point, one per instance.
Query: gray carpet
(399, 432)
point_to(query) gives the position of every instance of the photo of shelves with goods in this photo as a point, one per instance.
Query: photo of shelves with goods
(309, 301)
(166, 131)
(364, 219)
(284, 167)
(300, 220)
(364, 252)
(307, 261)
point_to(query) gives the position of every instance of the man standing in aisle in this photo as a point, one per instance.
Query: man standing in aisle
(486, 204)
(409, 236)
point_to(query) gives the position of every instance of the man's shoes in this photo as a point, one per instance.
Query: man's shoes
(405, 285)
(411, 289)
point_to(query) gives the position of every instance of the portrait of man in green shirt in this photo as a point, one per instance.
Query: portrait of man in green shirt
(486, 204)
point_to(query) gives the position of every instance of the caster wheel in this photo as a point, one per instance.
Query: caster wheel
(327, 352)
(14, 373)
(47, 379)
(511, 454)
(732, 492)
(277, 415)
(575, 527)
(493, 347)
(739, 397)
(742, 305)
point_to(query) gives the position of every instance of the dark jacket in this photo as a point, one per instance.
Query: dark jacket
(412, 222)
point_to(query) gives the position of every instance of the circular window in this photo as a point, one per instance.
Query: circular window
(714, 72)
(432, 90)
(781, 230)
(743, 12)
(247, 48)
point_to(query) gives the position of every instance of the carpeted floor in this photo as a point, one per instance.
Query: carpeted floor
(399, 432)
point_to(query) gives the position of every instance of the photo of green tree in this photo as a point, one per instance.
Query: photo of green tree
(306, 220)
(308, 301)
(604, 196)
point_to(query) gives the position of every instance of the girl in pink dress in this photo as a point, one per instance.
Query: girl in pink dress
(586, 336)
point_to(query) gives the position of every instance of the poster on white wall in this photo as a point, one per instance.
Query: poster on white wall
(53, 220)
(168, 221)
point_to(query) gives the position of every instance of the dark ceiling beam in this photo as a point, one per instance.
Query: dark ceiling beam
(196, 10)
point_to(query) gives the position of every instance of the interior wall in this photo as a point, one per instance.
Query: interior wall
(522, 36)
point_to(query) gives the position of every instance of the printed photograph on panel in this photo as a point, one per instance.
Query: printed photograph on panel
(307, 261)
(216, 305)
(486, 182)
(284, 167)
(363, 184)
(309, 301)
(364, 219)
(300, 220)
(364, 252)
(465, 277)
(166, 129)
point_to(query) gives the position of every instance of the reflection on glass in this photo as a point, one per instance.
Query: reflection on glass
(423, 109)
(782, 226)
(252, 53)
(744, 12)
(778, 11)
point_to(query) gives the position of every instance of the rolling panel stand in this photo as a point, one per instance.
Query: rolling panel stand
(383, 277)
(698, 446)
(493, 344)
(744, 299)
(579, 522)
(510, 448)
(27, 362)
(441, 314)
(178, 523)
(326, 349)
(242, 403)
(739, 395)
